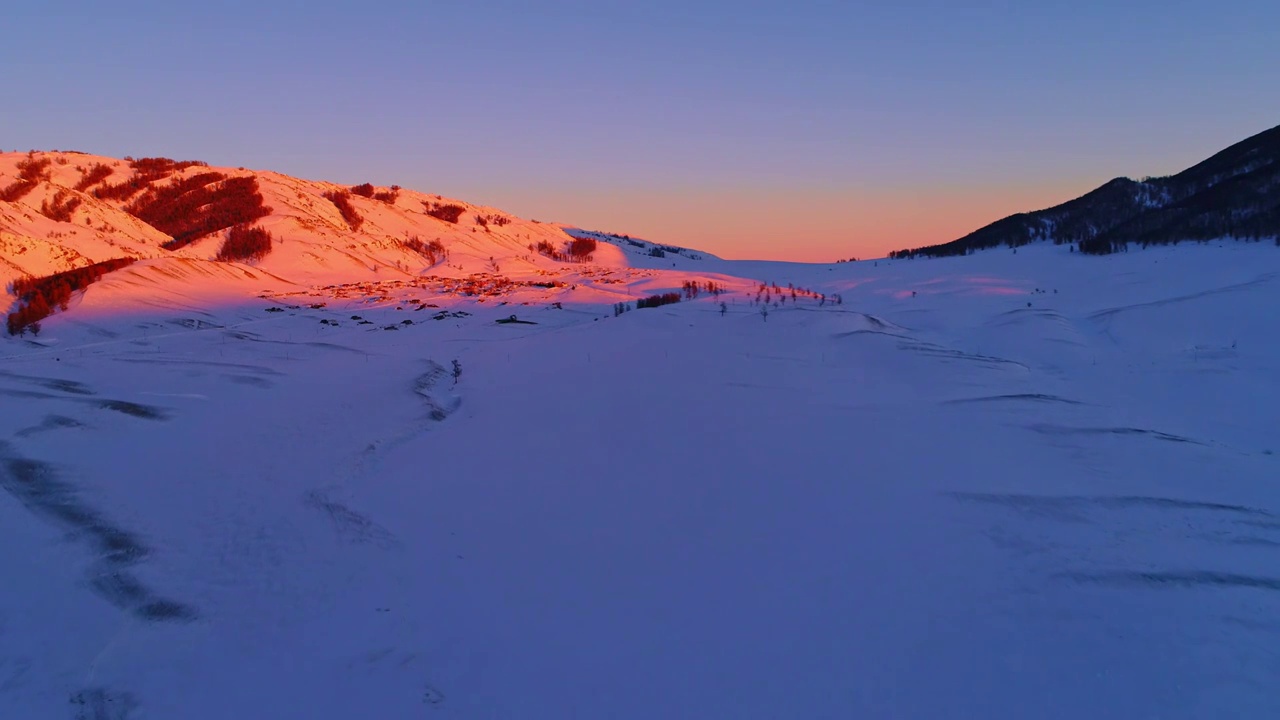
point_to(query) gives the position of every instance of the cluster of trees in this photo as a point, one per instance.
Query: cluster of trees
(161, 166)
(93, 175)
(485, 221)
(1100, 246)
(767, 293)
(616, 238)
(581, 249)
(122, 190)
(341, 199)
(545, 248)
(692, 288)
(663, 250)
(156, 201)
(28, 317)
(30, 172)
(943, 250)
(60, 207)
(184, 209)
(245, 243)
(146, 172)
(654, 301)
(576, 250)
(388, 196)
(614, 235)
(38, 297)
(621, 307)
(189, 208)
(433, 251)
(449, 213)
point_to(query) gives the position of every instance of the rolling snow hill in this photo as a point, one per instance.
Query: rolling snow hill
(1004, 486)
(62, 211)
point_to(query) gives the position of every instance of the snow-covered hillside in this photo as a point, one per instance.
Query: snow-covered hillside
(1002, 486)
(314, 241)
(387, 239)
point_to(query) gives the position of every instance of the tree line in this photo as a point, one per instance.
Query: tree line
(38, 297)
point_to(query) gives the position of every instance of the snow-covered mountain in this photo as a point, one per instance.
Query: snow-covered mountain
(313, 240)
(1234, 194)
(338, 481)
(64, 211)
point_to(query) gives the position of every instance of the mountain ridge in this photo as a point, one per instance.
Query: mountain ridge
(1233, 193)
(197, 229)
(56, 200)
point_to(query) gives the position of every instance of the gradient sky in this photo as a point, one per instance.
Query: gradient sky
(782, 130)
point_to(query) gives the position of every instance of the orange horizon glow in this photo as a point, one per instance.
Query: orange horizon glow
(802, 225)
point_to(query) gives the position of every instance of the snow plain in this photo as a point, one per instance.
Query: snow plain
(1031, 485)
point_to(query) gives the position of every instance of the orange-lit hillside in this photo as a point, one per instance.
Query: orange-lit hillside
(233, 233)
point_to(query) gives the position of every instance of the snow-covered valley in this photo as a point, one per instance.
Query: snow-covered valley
(1009, 485)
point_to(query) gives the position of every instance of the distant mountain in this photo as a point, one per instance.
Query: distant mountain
(1234, 194)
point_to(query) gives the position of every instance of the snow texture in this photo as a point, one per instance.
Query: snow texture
(999, 486)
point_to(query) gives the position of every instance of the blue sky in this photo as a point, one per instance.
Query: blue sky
(805, 130)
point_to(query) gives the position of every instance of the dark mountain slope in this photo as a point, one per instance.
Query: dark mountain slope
(1245, 207)
(1235, 193)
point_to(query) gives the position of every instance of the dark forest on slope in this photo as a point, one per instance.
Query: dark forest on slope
(1234, 194)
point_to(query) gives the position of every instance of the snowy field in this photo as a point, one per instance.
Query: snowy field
(1031, 485)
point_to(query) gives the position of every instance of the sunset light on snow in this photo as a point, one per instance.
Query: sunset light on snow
(668, 360)
(808, 131)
